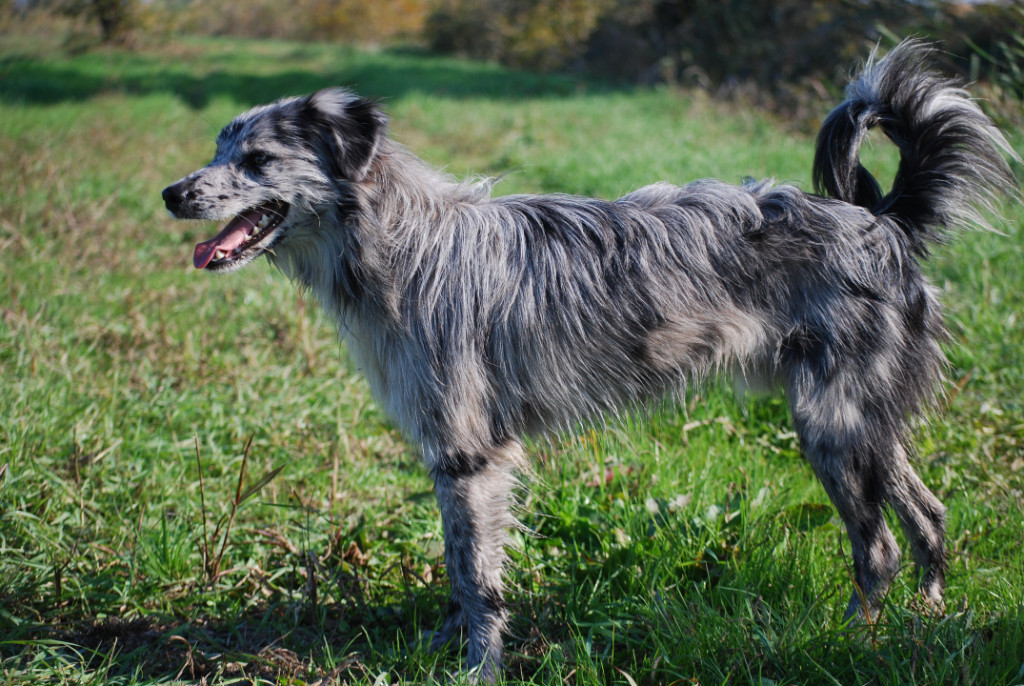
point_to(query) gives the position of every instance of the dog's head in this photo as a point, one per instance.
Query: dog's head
(274, 164)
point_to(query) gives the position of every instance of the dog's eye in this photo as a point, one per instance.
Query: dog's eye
(256, 160)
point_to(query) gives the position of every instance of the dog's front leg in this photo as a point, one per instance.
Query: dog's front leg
(474, 493)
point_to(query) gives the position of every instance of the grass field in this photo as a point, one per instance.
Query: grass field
(691, 548)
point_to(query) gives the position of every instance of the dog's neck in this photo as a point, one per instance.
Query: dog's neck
(400, 189)
(360, 252)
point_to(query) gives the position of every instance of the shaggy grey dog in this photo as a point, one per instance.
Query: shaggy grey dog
(480, 320)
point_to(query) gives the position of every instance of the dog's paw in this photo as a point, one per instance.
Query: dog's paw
(438, 640)
(863, 610)
(484, 674)
(928, 605)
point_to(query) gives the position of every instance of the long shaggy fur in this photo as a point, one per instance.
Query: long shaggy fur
(480, 320)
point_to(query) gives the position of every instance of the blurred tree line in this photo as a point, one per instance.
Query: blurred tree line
(125, 21)
(776, 51)
(781, 53)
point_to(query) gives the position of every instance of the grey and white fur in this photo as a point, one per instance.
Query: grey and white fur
(480, 320)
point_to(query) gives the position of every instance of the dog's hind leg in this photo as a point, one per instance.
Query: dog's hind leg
(922, 517)
(474, 493)
(832, 415)
(876, 556)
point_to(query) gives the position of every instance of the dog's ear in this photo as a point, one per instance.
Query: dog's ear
(349, 129)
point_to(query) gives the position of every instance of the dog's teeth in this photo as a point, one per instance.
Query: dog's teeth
(264, 221)
(219, 255)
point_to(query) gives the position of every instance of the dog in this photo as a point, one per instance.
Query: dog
(479, 320)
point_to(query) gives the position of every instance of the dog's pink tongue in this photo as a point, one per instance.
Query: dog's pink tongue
(229, 238)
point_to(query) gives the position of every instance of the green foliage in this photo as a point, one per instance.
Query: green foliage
(537, 34)
(117, 19)
(361, 22)
(769, 44)
(122, 21)
(780, 53)
(691, 547)
(999, 56)
(350, 21)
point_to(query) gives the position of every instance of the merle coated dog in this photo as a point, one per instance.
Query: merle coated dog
(479, 320)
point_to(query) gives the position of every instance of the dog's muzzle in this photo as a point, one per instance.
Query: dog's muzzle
(175, 196)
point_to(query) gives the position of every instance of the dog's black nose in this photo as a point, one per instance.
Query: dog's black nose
(174, 197)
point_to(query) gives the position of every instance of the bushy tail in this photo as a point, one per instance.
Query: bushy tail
(953, 159)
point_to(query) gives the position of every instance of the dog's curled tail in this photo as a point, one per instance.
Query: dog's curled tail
(953, 159)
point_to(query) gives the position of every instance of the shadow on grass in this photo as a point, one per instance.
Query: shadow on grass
(210, 72)
(715, 626)
(284, 643)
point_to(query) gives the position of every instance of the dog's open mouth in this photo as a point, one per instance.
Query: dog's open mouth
(244, 236)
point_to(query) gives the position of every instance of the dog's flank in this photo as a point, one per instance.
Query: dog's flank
(480, 320)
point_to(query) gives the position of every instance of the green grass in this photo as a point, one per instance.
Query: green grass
(694, 547)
